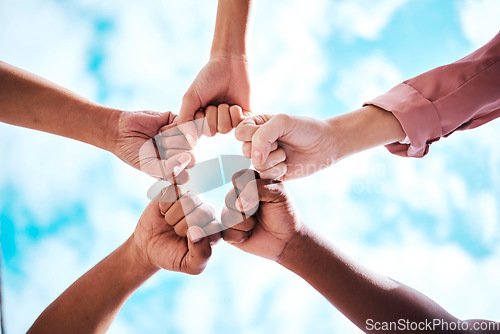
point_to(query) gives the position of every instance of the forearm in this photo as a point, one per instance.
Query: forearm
(30, 101)
(231, 28)
(356, 292)
(362, 129)
(90, 304)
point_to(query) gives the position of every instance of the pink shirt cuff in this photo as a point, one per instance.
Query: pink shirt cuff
(414, 112)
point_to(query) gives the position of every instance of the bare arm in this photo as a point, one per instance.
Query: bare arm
(30, 101)
(364, 297)
(225, 78)
(307, 145)
(275, 231)
(232, 28)
(91, 303)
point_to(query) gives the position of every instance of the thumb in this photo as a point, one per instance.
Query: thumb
(159, 168)
(199, 251)
(165, 118)
(190, 104)
(265, 136)
(256, 191)
(245, 130)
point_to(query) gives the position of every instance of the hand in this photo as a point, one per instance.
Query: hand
(286, 146)
(259, 217)
(221, 119)
(168, 238)
(208, 122)
(224, 79)
(134, 143)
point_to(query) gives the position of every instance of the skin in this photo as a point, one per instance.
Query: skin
(225, 78)
(91, 303)
(30, 101)
(275, 231)
(306, 145)
(207, 122)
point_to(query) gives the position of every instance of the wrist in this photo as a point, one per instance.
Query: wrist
(228, 55)
(231, 27)
(112, 120)
(294, 248)
(362, 129)
(137, 260)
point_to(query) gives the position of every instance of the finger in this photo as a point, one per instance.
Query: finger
(236, 114)
(170, 130)
(267, 134)
(247, 148)
(199, 252)
(261, 190)
(236, 220)
(245, 130)
(190, 103)
(210, 127)
(274, 158)
(199, 121)
(168, 196)
(175, 142)
(199, 216)
(190, 133)
(235, 236)
(248, 199)
(166, 119)
(242, 178)
(247, 127)
(186, 205)
(231, 199)
(167, 154)
(213, 231)
(223, 119)
(150, 163)
(274, 172)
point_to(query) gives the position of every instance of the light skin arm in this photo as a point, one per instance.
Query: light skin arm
(276, 232)
(311, 142)
(160, 241)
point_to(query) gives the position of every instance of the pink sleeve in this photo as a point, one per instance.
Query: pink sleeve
(462, 95)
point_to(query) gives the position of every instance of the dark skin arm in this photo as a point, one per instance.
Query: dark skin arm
(162, 240)
(275, 231)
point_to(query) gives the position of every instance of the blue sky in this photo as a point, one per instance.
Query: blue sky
(430, 223)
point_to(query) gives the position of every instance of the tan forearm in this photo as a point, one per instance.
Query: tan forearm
(232, 28)
(362, 129)
(30, 101)
(358, 293)
(91, 303)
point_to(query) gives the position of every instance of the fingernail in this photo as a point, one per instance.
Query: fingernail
(190, 139)
(257, 157)
(241, 204)
(183, 160)
(195, 234)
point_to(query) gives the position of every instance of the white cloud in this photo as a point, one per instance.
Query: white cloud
(372, 76)
(289, 62)
(151, 55)
(40, 37)
(479, 20)
(362, 18)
